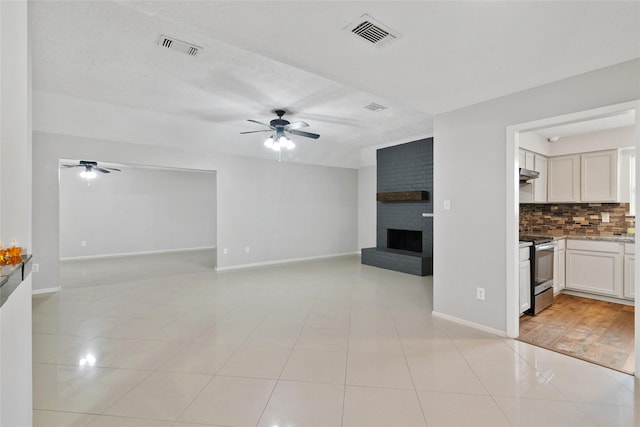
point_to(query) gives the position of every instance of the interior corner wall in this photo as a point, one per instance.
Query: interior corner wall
(470, 172)
(138, 210)
(367, 184)
(281, 211)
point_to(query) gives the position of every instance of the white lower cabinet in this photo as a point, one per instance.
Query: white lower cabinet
(525, 280)
(559, 266)
(629, 271)
(595, 266)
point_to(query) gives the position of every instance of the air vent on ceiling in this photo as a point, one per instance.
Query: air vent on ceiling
(372, 31)
(179, 45)
(375, 107)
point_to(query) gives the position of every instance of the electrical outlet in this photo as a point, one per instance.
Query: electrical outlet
(247, 249)
(35, 267)
(480, 294)
(83, 243)
(605, 216)
(225, 251)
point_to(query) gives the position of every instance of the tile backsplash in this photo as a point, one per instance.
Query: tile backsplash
(576, 219)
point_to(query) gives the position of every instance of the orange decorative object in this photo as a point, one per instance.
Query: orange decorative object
(11, 260)
(14, 251)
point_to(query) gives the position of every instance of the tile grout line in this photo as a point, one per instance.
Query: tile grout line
(286, 361)
(225, 363)
(346, 362)
(406, 362)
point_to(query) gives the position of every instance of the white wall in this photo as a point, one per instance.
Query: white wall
(15, 210)
(135, 211)
(594, 141)
(367, 214)
(470, 238)
(282, 211)
(15, 363)
(603, 140)
(534, 142)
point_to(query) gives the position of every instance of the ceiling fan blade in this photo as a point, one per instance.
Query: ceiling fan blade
(96, 168)
(254, 131)
(260, 123)
(113, 169)
(297, 125)
(303, 133)
(71, 166)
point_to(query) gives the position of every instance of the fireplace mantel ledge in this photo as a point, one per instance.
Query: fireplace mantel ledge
(402, 196)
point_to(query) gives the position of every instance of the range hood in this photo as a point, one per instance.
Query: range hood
(528, 174)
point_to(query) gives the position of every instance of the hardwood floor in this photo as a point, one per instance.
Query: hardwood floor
(596, 331)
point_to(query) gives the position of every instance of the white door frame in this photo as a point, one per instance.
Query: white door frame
(513, 208)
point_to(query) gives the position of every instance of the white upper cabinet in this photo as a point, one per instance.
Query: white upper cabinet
(534, 191)
(540, 184)
(564, 179)
(599, 176)
(529, 160)
(587, 177)
(627, 178)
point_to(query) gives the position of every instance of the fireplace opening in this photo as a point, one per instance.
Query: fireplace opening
(408, 240)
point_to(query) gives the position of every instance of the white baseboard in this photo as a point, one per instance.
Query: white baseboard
(597, 297)
(284, 261)
(45, 291)
(469, 324)
(128, 254)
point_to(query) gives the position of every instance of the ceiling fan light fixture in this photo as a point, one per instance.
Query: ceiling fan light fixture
(284, 142)
(269, 142)
(278, 140)
(88, 174)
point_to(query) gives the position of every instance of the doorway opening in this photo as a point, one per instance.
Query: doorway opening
(515, 196)
(114, 223)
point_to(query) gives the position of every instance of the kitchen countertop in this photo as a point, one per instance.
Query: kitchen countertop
(525, 244)
(621, 239)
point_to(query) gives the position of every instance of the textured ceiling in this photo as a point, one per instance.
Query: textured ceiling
(258, 56)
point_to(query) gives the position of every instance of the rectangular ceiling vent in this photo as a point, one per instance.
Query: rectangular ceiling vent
(375, 107)
(179, 45)
(372, 31)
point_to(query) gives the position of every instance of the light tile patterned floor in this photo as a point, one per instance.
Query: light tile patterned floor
(168, 342)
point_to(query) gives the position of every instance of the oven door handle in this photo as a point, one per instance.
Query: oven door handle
(545, 246)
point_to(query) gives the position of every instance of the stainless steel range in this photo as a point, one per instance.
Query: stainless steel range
(541, 258)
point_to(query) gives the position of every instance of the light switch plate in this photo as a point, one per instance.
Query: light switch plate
(447, 205)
